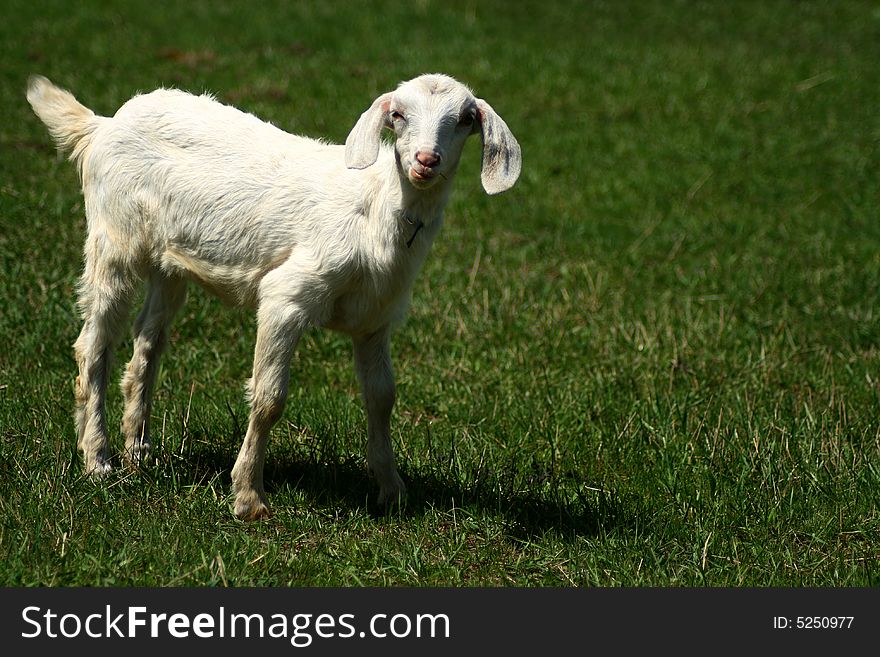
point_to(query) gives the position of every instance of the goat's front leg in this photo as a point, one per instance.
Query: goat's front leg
(372, 357)
(279, 327)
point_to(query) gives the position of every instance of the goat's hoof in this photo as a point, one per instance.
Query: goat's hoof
(259, 512)
(98, 468)
(137, 454)
(251, 506)
(393, 496)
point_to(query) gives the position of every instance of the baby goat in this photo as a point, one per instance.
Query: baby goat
(180, 187)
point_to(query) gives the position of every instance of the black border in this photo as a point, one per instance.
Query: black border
(482, 620)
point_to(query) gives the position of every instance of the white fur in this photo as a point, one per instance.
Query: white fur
(181, 187)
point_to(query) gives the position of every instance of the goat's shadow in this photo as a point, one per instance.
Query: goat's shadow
(340, 480)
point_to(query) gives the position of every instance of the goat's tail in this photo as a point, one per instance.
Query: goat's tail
(70, 123)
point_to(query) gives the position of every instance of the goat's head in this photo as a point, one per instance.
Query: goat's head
(432, 116)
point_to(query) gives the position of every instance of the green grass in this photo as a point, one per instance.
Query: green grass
(653, 362)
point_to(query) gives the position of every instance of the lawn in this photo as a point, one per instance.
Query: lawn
(655, 361)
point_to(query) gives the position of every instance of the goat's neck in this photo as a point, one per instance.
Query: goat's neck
(407, 216)
(419, 207)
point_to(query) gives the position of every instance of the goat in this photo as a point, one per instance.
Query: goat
(180, 187)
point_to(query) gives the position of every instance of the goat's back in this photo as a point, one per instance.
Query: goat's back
(187, 135)
(190, 166)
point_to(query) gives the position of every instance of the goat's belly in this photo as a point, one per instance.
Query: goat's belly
(236, 284)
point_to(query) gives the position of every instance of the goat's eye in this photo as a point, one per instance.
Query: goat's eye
(466, 119)
(396, 116)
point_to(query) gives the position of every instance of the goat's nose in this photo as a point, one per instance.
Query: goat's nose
(427, 158)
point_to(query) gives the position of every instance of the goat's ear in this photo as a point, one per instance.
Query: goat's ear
(502, 157)
(362, 143)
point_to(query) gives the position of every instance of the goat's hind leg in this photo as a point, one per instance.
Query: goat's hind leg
(165, 296)
(105, 293)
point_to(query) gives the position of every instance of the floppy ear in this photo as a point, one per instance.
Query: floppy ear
(502, 157)
(362, 143)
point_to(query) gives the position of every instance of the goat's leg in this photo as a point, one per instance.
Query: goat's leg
(105, 293)
(279, 326)
(165, 296)
(372, 357)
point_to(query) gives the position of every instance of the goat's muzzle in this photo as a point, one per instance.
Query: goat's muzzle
(424, 166)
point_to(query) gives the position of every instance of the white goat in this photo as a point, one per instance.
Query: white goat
(181, 187)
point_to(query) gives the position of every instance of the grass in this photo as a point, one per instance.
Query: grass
(654, 362)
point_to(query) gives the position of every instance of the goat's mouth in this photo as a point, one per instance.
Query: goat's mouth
(422, 177)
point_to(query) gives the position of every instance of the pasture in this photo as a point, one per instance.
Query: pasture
(654, 362)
